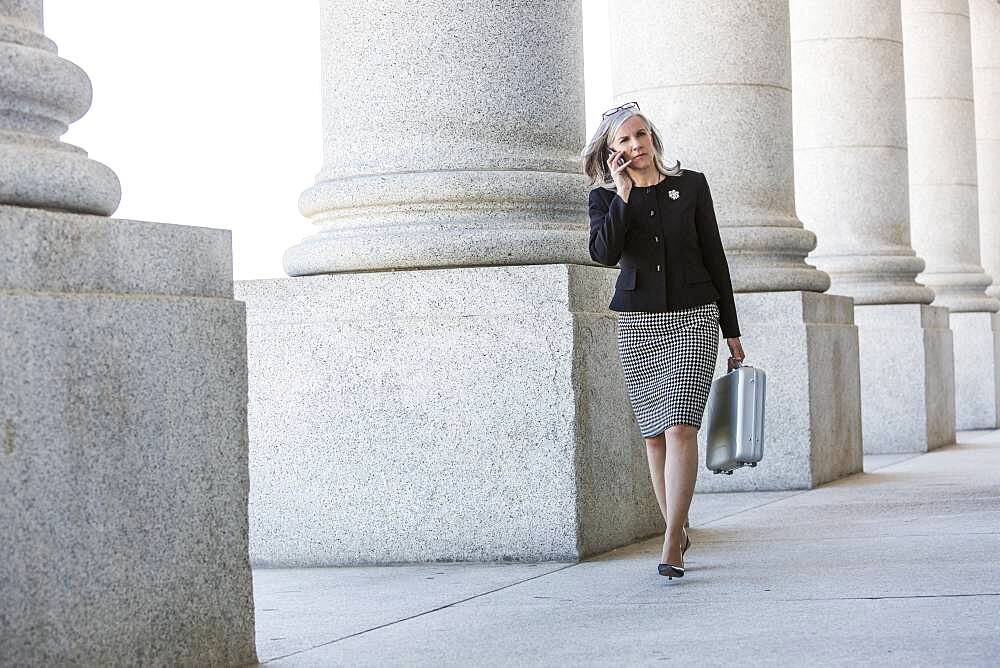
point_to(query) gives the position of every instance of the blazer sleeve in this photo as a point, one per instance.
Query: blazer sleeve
(607, 227)
(714, 257)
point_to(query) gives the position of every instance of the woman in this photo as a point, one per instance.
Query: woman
(673, 293)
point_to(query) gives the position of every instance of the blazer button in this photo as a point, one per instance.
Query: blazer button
(656, 239)
(657, 267)
(652, 213)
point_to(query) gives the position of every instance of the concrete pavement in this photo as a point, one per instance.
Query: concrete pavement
(896, 566)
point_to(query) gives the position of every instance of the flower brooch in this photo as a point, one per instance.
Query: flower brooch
(673, 194)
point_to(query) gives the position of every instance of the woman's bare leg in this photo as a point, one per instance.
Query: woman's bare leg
(656, 452)
(680, 471)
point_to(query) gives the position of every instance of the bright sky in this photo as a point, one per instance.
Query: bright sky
(209, 112)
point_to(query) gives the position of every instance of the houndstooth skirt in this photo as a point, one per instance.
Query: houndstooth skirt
(669, 360)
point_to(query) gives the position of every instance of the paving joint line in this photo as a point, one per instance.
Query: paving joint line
(711, 600)
(855, 537)
(886, 598)
(419, 614)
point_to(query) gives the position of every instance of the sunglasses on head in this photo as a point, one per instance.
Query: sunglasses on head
(627, 105)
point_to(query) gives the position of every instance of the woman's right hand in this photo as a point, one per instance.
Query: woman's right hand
(617, 166)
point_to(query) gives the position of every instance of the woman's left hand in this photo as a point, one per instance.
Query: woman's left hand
(736, 354)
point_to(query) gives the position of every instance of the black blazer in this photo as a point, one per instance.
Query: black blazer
(666, 241)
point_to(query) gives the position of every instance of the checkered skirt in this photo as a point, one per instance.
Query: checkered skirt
(669, 360)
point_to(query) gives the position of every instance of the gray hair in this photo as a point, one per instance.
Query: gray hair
(595, 155)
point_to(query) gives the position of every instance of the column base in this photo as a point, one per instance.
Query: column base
(122, 445)
(807, 344)
(474, 414)
(977, 374)
(907, 377)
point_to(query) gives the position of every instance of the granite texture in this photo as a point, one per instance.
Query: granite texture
(42, 94)
(122, 403)
(984, 16)
(977, 374)
(124, 470)
(941, 135)
(715, 80)
(22, 13)
(849, 112)
(807, 344)
(484, 170)
(907, 377)
(44, 251)
(473, 414)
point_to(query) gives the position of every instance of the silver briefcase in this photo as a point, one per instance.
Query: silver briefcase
(735, 420)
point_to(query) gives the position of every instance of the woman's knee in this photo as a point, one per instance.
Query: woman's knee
(681, 431)
(657, 441)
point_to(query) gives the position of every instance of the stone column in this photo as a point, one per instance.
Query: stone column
(851, 187)
(984, 16)
(122, 402)
(466, 154)
(474, 409)
(42, 95)
(943, 194)
(985, 23)
(715, 78)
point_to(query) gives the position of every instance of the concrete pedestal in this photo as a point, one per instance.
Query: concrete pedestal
(454, 414)
(807, 344)
(123, 458)
(907, 377)
(977, 376)
(480, 414)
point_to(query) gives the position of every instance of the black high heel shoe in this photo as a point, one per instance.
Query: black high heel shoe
(671, 571)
